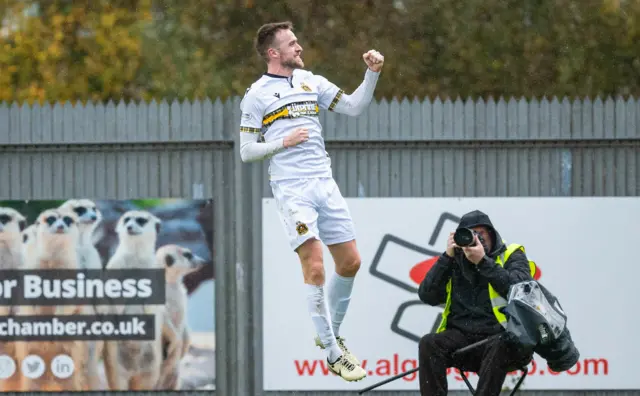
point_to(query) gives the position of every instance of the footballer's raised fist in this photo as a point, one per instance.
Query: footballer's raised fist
(374, 60)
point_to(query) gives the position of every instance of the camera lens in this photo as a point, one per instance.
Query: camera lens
(463, 237)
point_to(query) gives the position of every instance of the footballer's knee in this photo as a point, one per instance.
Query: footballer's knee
(310, 253)
(347, 258)
(350, 266)
(314, 275)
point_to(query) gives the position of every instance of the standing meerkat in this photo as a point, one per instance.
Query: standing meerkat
(89, 217)
(56, 241)
(12, 224)
(178, 261)
(135, 365)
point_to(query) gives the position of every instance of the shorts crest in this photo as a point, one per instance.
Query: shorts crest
(301, 228)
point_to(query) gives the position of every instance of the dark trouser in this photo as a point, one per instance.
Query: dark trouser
(491, 361)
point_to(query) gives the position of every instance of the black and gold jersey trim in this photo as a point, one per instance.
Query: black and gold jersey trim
(292, 110)
(250, 130)
(335, 100)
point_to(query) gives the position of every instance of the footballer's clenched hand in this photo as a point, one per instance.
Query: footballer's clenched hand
(374, 60)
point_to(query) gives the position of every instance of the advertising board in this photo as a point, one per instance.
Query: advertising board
(99, 295)
(582, 247)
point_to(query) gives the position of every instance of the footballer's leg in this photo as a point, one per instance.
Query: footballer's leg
(339, 362)
(337, 231)
(339, 288)
(299, 218)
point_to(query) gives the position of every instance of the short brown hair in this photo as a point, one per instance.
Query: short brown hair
(266, 35)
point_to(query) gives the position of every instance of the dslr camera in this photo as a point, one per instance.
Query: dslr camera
(464, 237)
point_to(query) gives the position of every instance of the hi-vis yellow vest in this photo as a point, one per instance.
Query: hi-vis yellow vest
(497, 301)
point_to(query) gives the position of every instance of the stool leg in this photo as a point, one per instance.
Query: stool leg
(466, 381)
(515, 388)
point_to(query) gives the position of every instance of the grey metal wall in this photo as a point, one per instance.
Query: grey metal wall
(398, 148)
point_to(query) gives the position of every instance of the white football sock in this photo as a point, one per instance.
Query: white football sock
(319, 311)
(339, 296)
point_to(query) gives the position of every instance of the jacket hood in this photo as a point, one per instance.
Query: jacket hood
(478, 218)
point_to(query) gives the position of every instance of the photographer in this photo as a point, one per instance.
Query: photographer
(466, 279)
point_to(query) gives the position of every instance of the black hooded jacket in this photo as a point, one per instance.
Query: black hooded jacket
(471, 311)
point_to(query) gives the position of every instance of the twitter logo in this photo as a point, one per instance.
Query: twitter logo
(33, 366)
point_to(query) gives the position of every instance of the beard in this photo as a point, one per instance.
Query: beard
(295, 63)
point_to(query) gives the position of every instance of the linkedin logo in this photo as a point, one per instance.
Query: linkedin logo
(62, 366)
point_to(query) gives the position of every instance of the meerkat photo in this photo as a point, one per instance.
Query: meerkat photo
(177, 261)
(12, 224)
(135, 365)
(55, 248)
(89, 217)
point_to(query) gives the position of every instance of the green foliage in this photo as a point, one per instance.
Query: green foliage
(142, 49)
(145, 204)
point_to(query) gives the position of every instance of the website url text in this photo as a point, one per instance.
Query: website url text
(395, 365)
(77, 327)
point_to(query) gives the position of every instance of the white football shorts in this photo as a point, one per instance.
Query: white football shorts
(313, 208)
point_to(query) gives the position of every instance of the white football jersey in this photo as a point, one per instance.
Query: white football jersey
(274, 106)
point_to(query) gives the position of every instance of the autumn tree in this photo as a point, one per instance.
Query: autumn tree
(58, 50)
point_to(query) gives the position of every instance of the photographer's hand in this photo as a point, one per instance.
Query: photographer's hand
(474, 253)
(451, 245)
